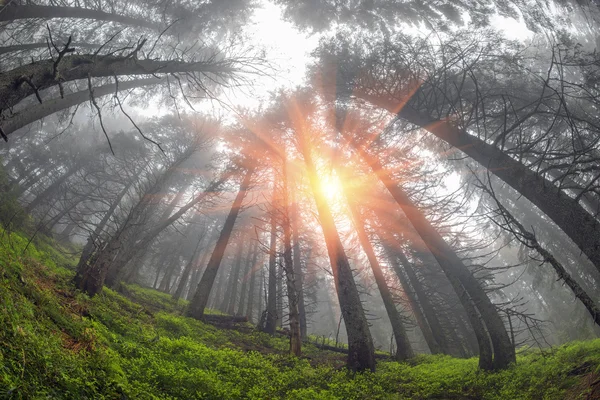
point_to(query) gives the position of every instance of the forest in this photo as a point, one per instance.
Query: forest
(264, 199)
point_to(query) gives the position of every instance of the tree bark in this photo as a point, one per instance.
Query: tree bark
(13, 12)
(250, 260)
(199, 270)
(91, 278)
(38, 111)
(252, 285)
(298, 273)
(288, 267)
(404, 350)
(422, 321)
(200, 299)
(41, 45)
(565, 211)
(235, 278)
(51, 189)
(361, 353)
(185, 276)
(467, 287)
(23, 81)
(271, 318)
(423, 300)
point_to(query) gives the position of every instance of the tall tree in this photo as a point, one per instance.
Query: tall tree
(200, 298)
(270, 321)
(403, 347)
(468, 288)
(361, 354)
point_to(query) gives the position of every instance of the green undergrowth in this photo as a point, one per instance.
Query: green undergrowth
(58, 343)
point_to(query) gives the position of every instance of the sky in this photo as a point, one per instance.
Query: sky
(289, 51)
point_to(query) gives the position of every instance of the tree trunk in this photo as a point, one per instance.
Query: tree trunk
(43, 45)
(298, 273)
(271, 318)
(40, 74)
(198, 303)
(279, 295)
(565, 211)
(221, 283)
(66, 233)
(13, 12)
(91, 278)
(404, 350)
(159, 268)
(423, 301)
(250, 260)
(420, 316)
(38, 111)
(199, 270)
(117, 272)
(51, 189)
(172, 266)
(472, 295)
(190, 266)
(261, 293)
(252, 286)
(531, 242)
(288, 267)
(361, 353)
(235, 278)
(92, 240)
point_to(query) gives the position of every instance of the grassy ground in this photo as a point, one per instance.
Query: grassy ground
(58, 343)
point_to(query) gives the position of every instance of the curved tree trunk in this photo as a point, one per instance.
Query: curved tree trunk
(423, 300)
(39, 199)
(422, 321)
(13, 12)
(38, 111)
(41, 45)
(40, 74)
(361, 353)
(93, 239)
(529, 239)
(187, 272)
(404, 350)
(465, 284)
(200, 299)
(565, 211)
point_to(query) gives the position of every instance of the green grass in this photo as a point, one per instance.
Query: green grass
(58, 343)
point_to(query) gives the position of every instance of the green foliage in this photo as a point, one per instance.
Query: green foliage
(58, 343)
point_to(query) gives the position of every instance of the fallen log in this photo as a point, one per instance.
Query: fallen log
(344, 350)
(223, 319)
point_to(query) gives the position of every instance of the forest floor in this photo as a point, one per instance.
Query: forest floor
(58, 343)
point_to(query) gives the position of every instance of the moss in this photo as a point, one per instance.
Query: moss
(58, 343)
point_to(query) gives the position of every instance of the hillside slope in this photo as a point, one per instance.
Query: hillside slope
(58, 343)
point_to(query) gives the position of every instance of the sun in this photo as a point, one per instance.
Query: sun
(331, 187)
